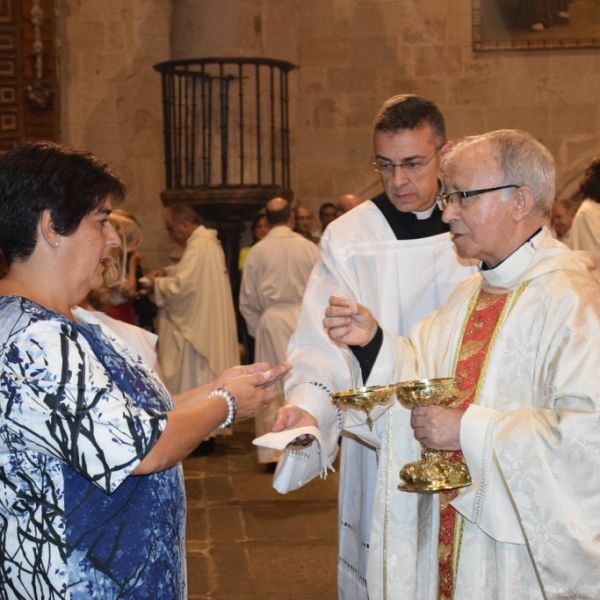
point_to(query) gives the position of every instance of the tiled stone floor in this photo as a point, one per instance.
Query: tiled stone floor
(245, 541)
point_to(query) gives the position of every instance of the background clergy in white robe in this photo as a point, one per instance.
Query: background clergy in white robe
(197, 333)
(273, 282)
(528, 526)
(393, 254)
(585, 229)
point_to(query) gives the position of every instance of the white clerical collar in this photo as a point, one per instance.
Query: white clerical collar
(425, 214)
(517, 263)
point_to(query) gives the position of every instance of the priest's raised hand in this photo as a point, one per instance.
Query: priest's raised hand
(349, 323)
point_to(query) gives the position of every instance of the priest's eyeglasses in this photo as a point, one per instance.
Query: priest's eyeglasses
(412, 167)
(443, 200)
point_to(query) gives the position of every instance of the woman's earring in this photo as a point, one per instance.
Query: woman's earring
(57, 244)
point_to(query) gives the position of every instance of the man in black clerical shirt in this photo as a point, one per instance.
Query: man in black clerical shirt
(394, 255)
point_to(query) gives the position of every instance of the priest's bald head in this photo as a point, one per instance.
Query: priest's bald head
(348, 202)
(279, 212)
(498, 191)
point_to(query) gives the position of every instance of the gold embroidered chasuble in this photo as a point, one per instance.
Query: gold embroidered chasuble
(480, 331)
(534, 404)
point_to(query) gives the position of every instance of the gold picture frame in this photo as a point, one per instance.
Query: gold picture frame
(508, 25)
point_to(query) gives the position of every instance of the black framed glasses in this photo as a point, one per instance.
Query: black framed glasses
(444, 200)
(386, 167)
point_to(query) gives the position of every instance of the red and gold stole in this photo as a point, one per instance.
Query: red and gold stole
(478, 337)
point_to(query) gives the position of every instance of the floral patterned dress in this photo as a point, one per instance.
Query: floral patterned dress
(78, 412)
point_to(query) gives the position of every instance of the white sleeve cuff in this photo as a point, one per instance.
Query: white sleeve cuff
(487, 502)
(316, 400)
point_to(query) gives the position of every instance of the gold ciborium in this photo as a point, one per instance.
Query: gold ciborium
(436, 470)
(364, 398)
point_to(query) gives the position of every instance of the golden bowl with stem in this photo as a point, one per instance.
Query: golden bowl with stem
(437, 470)
(364, 398)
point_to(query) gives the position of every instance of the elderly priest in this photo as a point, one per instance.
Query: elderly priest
(522, 339)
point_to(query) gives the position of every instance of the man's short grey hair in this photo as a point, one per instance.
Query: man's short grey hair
(184, 213)
(523, 160)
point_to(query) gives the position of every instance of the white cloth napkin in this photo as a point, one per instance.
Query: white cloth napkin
(280, 439)
(296, 465)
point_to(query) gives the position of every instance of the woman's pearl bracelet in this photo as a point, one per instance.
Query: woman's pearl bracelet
(231, 406)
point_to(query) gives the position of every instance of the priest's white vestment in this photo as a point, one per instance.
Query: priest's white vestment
(197, 333)
(530, 524)
(401, 281)
(273, 282)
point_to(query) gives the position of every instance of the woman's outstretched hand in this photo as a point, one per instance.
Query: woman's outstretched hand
(248, 387)
(349, 323)
(271, 375)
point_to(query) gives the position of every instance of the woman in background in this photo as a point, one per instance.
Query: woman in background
(92, 500)
(118, 279)
(259, 229)
(115, 296)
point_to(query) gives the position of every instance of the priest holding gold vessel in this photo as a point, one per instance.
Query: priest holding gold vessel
(522, 339)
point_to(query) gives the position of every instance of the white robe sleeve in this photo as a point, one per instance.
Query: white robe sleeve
(321, 366)
(486, 502)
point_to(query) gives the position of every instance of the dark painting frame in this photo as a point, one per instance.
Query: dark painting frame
(502, 25)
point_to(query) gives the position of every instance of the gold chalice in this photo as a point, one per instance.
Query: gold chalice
(364, 398)
(436, 470)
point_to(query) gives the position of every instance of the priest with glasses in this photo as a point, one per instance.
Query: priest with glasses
(522, 339)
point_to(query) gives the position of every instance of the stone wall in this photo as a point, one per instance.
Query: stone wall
(351, 56)
(111, 98)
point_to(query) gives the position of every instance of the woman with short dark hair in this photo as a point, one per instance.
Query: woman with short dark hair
(91, 491)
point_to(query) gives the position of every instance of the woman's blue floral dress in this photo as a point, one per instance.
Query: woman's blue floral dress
(77, 414)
